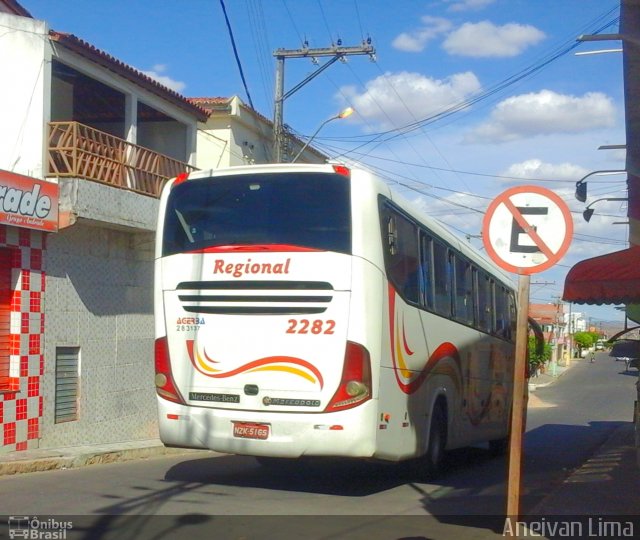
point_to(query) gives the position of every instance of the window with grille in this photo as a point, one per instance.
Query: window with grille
(67, 384)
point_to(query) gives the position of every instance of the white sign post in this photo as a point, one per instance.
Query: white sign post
(526, 229)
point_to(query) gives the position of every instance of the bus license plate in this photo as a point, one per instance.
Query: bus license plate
(245, 430)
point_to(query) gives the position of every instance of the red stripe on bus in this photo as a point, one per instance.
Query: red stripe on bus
(254, 248)
(444, 350)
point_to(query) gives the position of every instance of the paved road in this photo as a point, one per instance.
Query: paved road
(567, 421)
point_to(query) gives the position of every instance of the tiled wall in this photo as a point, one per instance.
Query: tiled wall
(100, 299)
(21, 411)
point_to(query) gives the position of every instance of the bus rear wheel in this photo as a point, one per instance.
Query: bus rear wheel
(431, 465)
(499, 447)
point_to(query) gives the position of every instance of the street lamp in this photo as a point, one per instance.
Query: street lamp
(342, 114)
(581, 185)
(588, 212)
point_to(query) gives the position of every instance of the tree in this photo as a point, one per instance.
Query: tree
(584, 340)
(537, 358)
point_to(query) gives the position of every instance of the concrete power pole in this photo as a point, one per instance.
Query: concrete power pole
(336, 53)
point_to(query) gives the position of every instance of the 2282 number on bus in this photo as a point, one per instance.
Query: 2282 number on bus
(305, 326)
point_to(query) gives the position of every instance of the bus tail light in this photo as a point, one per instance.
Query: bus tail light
(180, 178)
(341, 169)
(165, 386)
(355, 384)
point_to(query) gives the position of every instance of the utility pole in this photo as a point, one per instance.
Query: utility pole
(558, 325)
(571, 332)
(335, 52)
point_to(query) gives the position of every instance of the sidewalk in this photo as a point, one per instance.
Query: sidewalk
(551, 375)
(607, 484)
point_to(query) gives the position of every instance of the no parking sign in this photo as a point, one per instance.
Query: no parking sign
(527, 229)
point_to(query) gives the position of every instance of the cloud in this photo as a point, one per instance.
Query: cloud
(156, 74)
(416, 40)
(486, 40)
(536, 168)
(468, 5)
(396, 99)
(544, 113)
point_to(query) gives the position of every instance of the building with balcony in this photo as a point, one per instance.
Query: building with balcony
(98, 139)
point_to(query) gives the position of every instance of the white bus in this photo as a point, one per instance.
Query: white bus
(307, 310)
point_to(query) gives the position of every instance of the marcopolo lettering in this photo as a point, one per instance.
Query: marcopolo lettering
(25, 203)
(290, 402)
(249, 267)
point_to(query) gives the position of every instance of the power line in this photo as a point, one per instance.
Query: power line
(260, 44)
(388, 135)
(235, 54)
(457, 171)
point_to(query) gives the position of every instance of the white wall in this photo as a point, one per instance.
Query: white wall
(237, 137)
(22, 94)
(99, 298)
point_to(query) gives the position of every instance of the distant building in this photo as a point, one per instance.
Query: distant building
(234, 134)
(551, 318)
(575, 322)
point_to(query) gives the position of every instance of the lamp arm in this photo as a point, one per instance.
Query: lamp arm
(581, 185)
(608, 199)
(313, 137)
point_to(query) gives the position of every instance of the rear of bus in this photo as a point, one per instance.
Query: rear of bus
(253, 301)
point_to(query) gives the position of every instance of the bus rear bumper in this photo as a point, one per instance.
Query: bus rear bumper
(350, 433)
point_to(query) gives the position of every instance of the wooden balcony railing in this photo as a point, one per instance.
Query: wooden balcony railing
(76, 150)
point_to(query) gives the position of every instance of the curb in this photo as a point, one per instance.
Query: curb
(550, 379)
(50, 463)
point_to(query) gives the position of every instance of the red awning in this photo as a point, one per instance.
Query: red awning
(613, 278)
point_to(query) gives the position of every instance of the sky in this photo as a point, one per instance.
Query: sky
(462, 100)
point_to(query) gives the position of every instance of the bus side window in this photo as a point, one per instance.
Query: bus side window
(484, 302)
(513, 315)
(402, 256)
(503, 314)
(426, 265)
(463, 291)
(443, 277)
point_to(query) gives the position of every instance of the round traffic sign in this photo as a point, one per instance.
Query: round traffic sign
(527, 229)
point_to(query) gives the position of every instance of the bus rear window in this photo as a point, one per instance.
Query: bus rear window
(309, 210)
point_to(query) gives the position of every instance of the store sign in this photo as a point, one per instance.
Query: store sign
(28, 203)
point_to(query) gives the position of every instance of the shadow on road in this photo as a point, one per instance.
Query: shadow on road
(549, 457)
(323, 476)
(471, 495)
